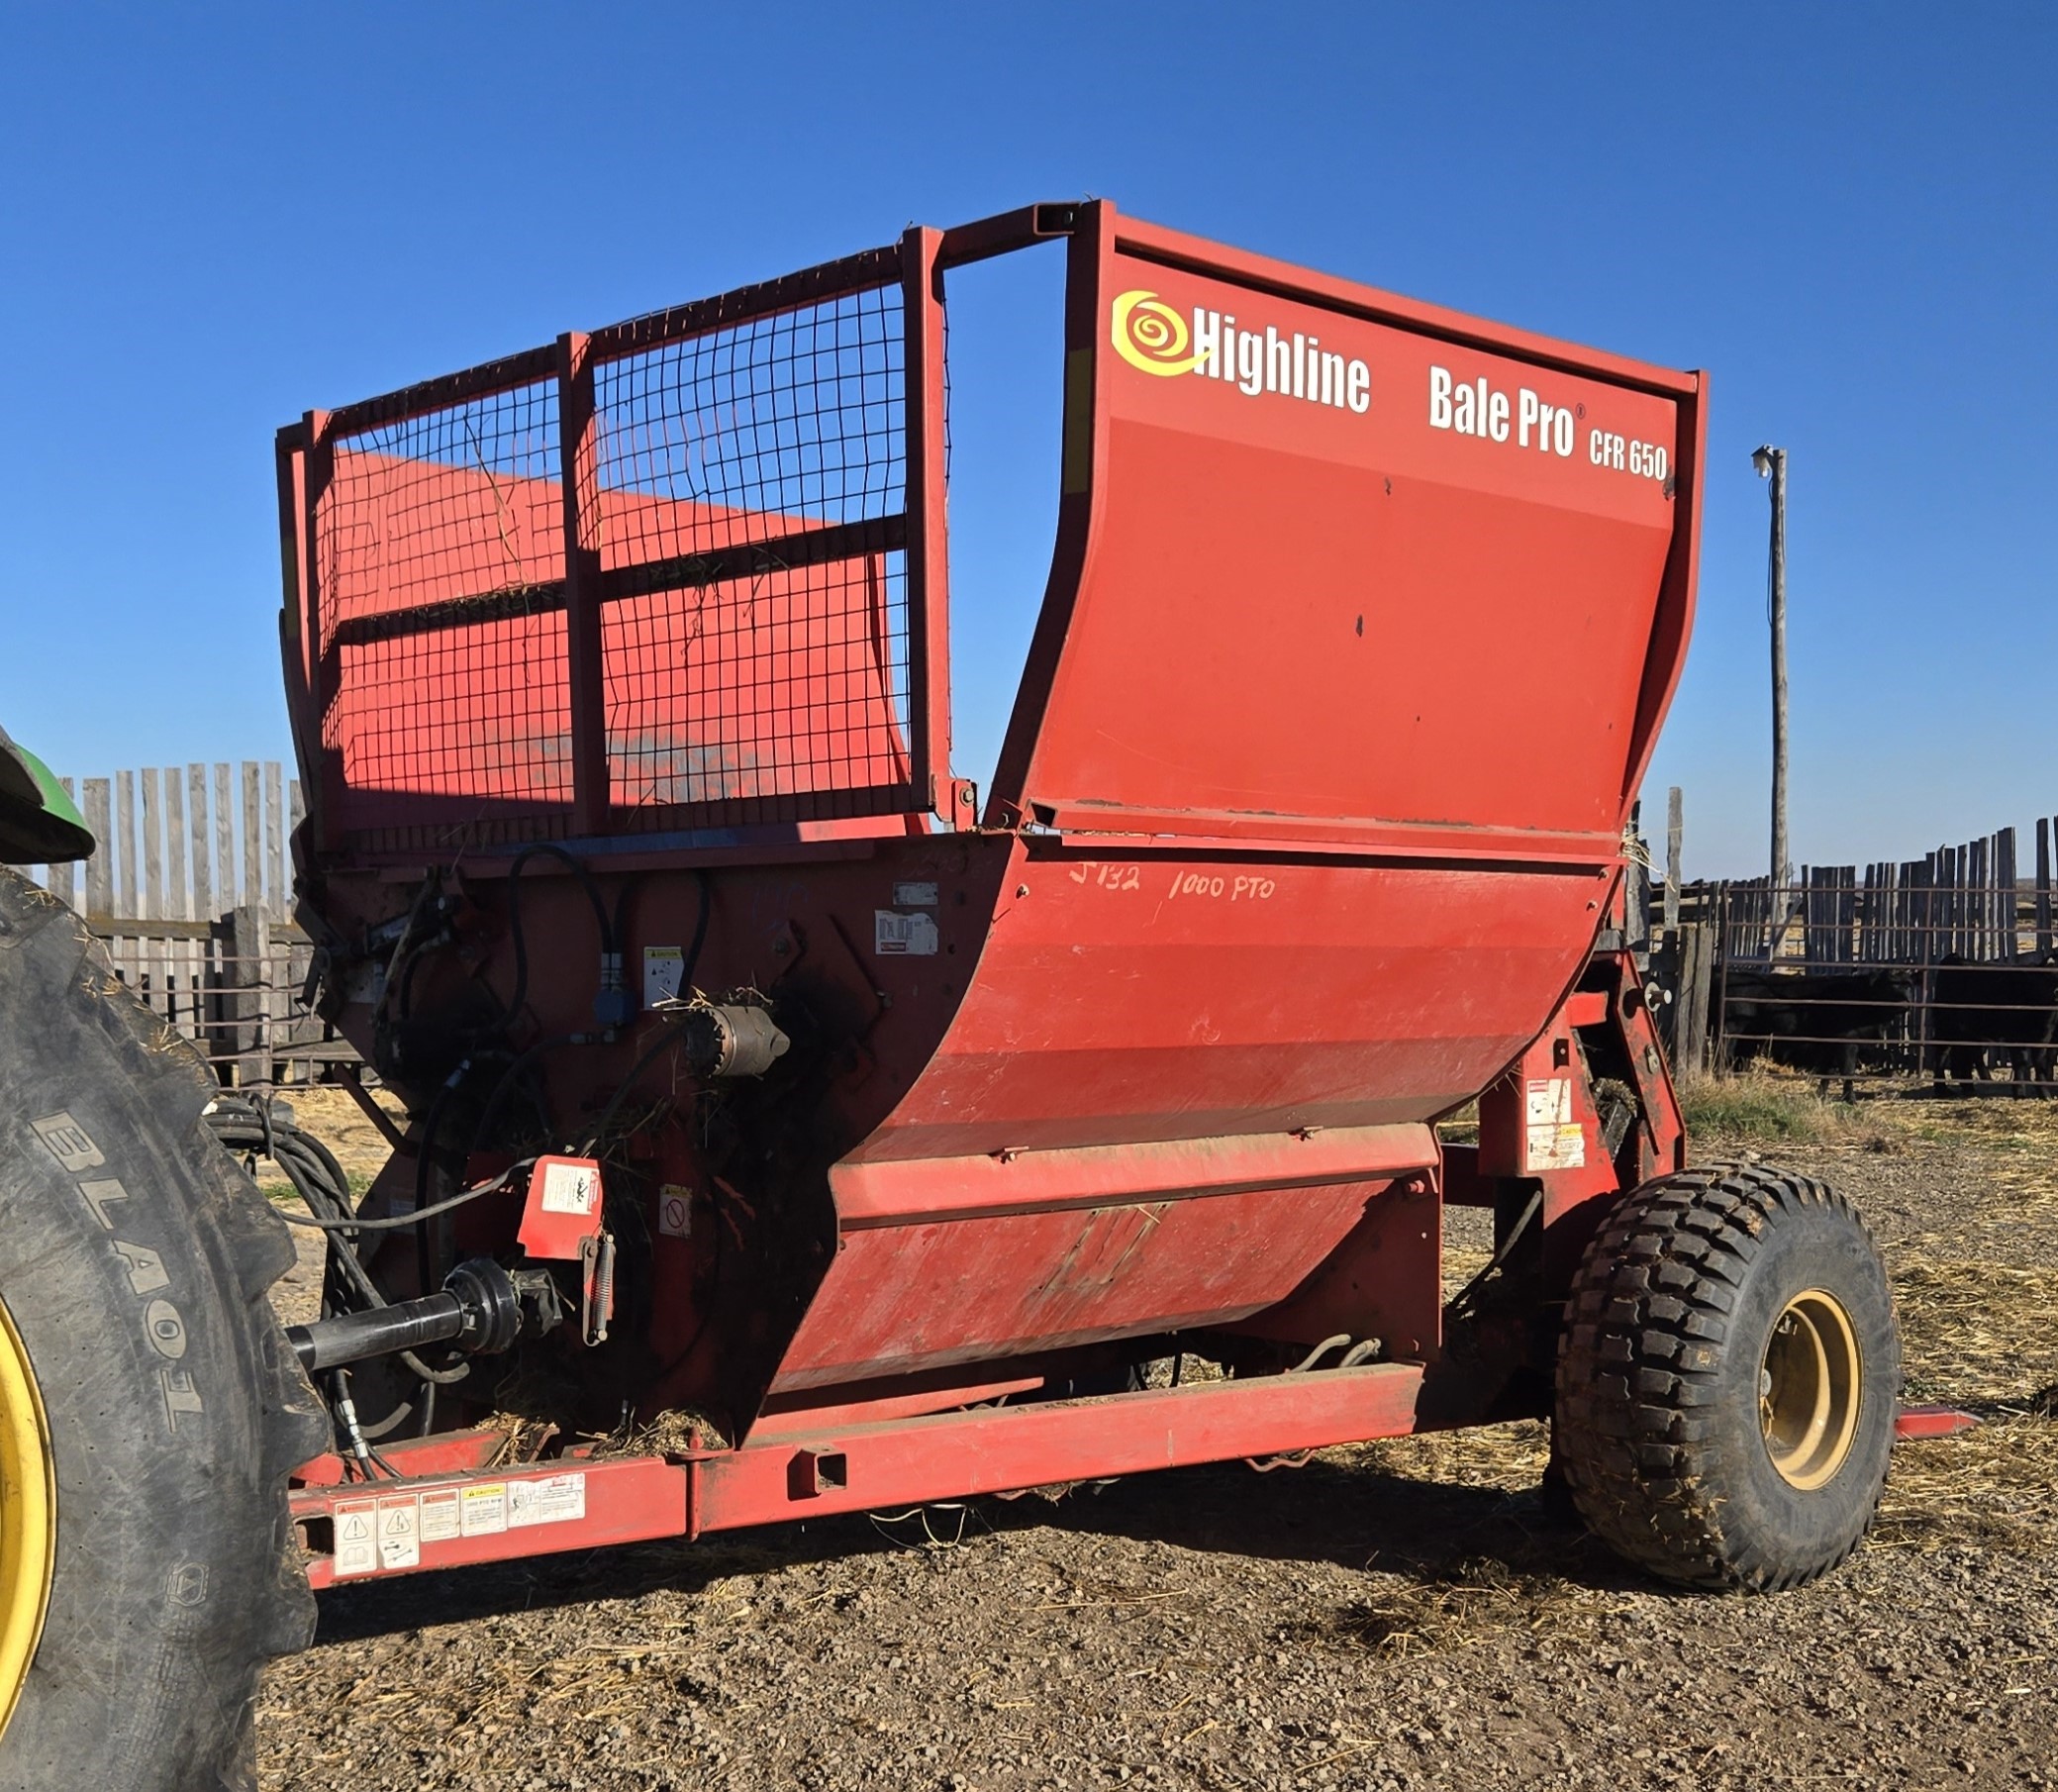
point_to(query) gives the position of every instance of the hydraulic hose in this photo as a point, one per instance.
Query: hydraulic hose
(251, 1127)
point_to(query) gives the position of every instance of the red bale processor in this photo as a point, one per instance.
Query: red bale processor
(867, 1138)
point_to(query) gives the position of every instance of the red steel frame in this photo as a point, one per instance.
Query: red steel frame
(989, 1118)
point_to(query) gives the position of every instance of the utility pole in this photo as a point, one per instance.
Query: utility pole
(1771, 463)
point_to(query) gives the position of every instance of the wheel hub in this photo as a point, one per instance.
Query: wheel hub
(27, 1516)
(1809, 1389)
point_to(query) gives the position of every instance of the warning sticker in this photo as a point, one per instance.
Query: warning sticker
(676, 1211)
(485, 1509)
(400, 1532)
(440, 1518)
(356, 1541)
(914, 895)
(569, 1188)
(897, 935)
(664, 967)
(1555, 1139)
(551, 1501)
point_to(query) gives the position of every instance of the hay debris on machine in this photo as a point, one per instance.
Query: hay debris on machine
(760, 1068)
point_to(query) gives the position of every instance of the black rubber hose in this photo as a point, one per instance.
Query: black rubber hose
(549, 849)
(622, 897)
(700, 933)
(425, 1155)
(668, 1038)
(482, 1134)
(245, 1125)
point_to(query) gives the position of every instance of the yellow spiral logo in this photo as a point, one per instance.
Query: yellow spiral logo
(1149, 334)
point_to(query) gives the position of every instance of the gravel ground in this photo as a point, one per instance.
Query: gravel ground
(1398, 1614)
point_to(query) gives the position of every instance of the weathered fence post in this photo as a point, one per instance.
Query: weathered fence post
(2005, 894)
(100, 867)
(246, 934)
(2043, 886)
(1675, 834)
(1697, 951)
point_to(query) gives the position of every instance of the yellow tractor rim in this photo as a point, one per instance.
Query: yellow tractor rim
(27, 1516)
(1809, 1389)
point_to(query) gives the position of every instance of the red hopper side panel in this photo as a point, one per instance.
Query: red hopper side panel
(1362, 619)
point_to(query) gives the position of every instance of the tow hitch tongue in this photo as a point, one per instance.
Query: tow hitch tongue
(482, 1310)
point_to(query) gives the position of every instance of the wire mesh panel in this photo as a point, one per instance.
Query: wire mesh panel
(756, 474)
(782, 684)
(755, 430)
(440, 556)
(726, 629)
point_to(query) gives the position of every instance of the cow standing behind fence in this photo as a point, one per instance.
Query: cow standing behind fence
(1995, 1018)
(1973, 946)
(1832, 1024)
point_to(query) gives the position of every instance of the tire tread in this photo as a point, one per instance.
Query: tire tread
(1648, 1318)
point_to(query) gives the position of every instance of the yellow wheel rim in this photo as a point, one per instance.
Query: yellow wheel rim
(1809, 1389)
(27, 1516)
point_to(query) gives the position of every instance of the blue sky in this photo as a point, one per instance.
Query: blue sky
(212, 217)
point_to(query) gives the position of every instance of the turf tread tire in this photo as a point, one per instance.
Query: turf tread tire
(1658, 1360)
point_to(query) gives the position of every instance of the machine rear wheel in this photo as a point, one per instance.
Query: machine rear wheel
(1728, 1379)
(150, 1409)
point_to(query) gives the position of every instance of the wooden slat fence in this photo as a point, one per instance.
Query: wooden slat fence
(1983, 901)
(192, 894)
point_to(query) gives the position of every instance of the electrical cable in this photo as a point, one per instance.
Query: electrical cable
(482, 1134)
(402, 1221)
(686, 969)
(680, 1356)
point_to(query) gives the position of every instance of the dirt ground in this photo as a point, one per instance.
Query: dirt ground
(1397, 1615)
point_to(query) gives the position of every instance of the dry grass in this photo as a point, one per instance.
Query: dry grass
(1765, 1106)
(1982, 1333)
(1978, 1332)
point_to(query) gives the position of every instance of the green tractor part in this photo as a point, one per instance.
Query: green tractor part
(38, 824)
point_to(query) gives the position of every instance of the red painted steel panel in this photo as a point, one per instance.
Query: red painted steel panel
(1312, 610)
(1160, 997)
(871, 1193)
(929, 1294)
(1914, 1424)
(782, 1420)
(484, 710)
(1001, 1450)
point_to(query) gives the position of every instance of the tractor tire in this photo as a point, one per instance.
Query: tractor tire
(1728, 1377)
(150, 1409)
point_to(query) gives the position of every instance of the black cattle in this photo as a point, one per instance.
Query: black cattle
(1821, 1023)
(1994, 1017)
